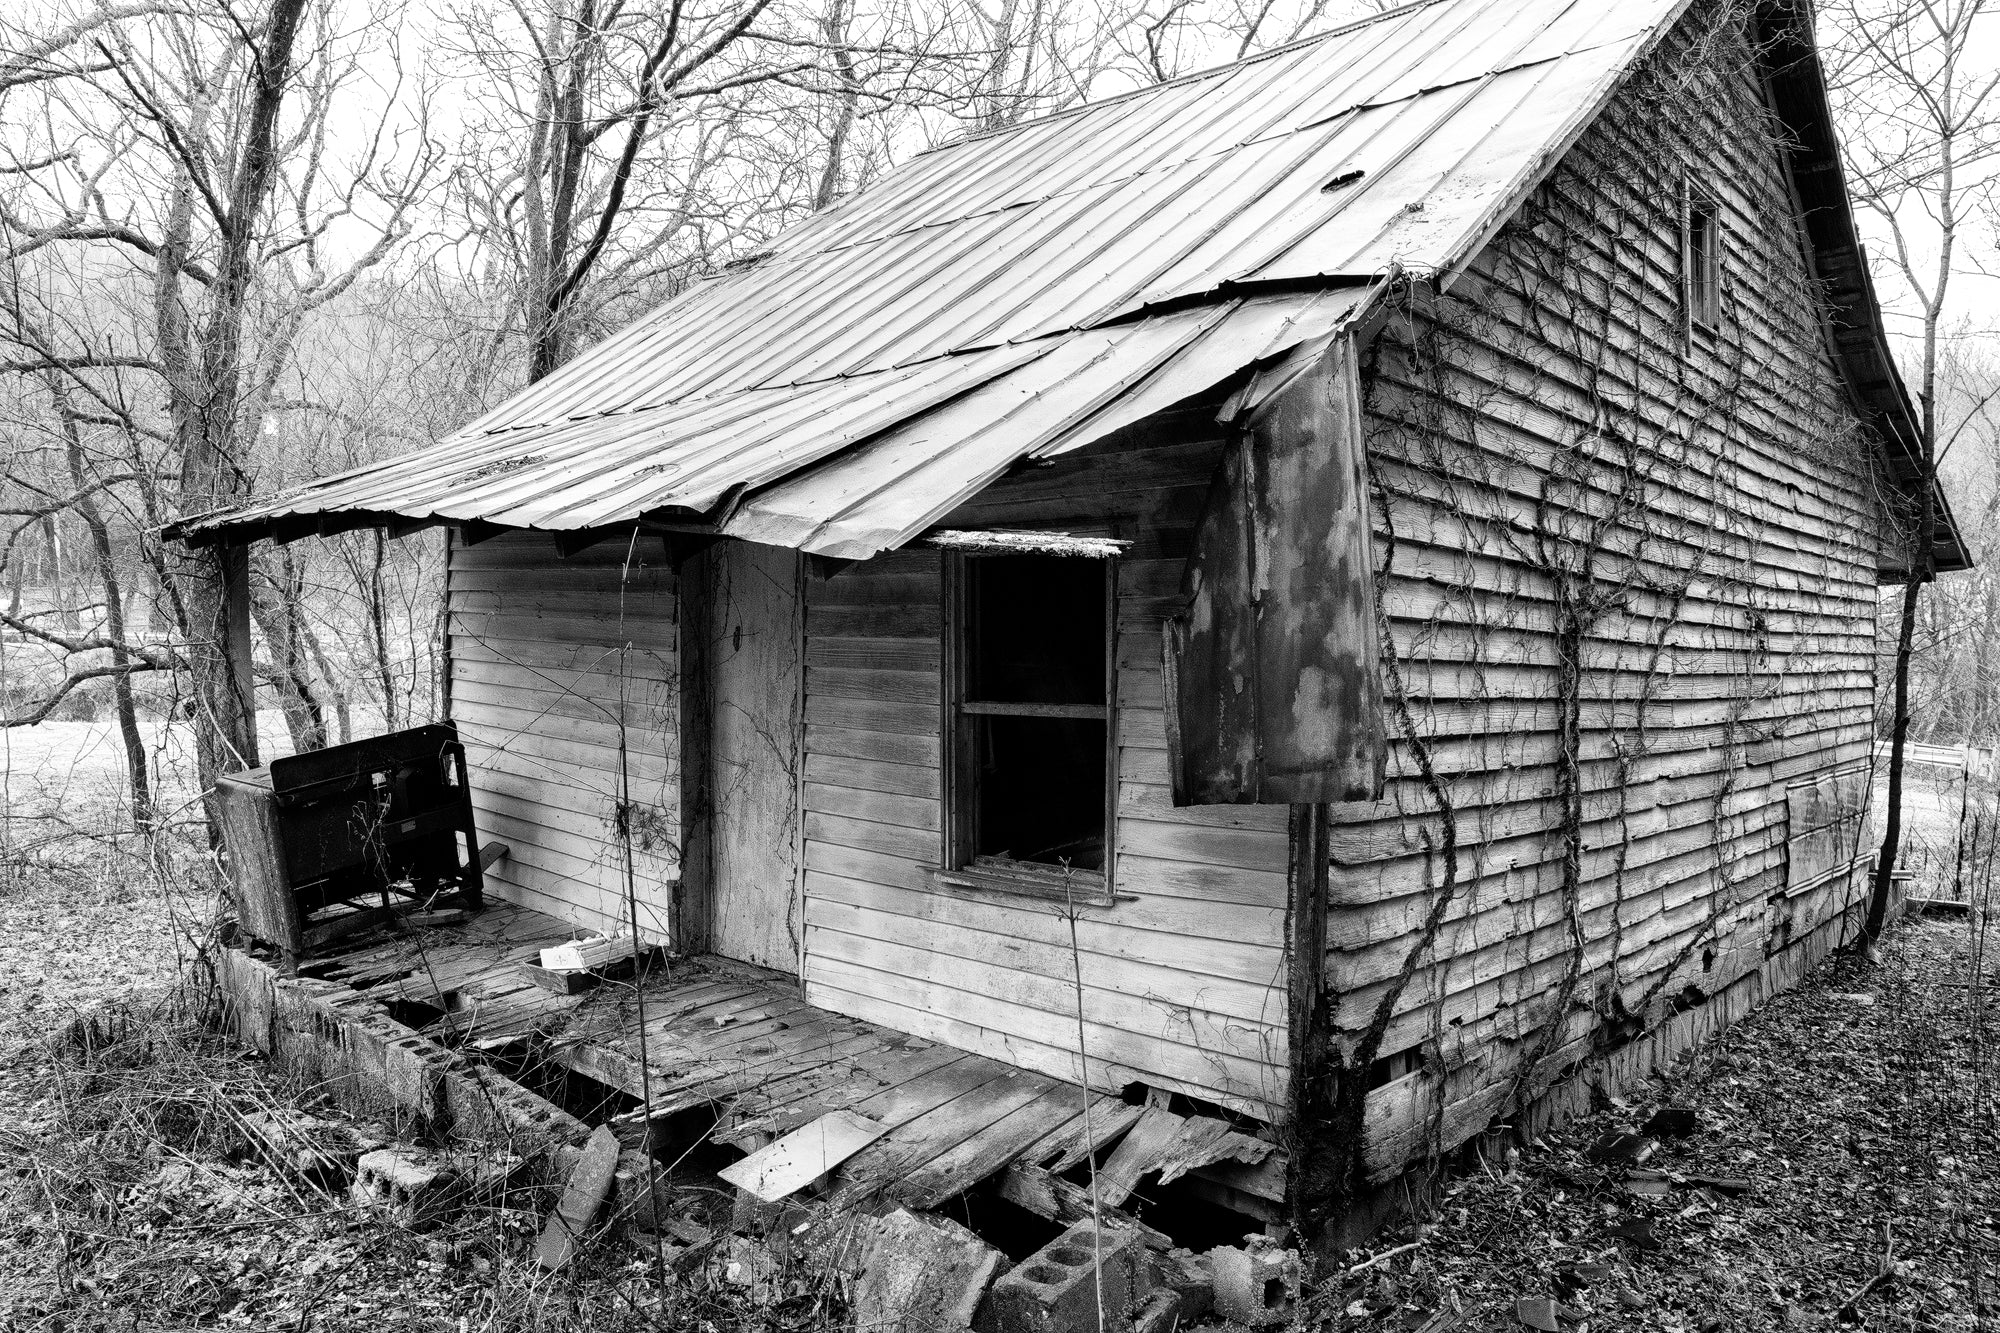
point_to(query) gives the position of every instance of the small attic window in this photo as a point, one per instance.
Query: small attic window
(1701, 259)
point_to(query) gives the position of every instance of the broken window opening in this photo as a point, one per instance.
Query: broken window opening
(1701, 260)
(1028, 676)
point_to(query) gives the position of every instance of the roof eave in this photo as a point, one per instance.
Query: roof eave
(1796, 87)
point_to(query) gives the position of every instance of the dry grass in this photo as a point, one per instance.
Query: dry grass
(133, 1193)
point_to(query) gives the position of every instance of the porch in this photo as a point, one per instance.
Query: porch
(720, 1052)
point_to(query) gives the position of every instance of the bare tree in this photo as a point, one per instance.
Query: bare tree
(1923, 133)
(604, 122)
(167, 232)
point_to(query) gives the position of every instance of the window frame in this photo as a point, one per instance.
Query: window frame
(1701, 291)
(960, 866)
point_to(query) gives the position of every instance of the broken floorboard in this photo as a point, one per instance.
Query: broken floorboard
(738, 1042)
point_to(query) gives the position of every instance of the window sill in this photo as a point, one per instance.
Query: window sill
(1084, 888)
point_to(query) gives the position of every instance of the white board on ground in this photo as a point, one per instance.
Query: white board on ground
(804, 1155)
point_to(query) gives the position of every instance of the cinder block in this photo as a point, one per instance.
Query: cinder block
(589, 1184)
(920, 1274)
(1161, 1313)
(483, 1103)
(407, 1184)
(640, 1191)
(1256, 1285)
(1187, 1274)
(1057, 1289)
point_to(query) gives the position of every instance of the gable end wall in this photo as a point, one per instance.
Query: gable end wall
(1629, 580)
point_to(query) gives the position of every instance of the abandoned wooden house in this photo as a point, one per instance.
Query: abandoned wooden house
(1334, 595)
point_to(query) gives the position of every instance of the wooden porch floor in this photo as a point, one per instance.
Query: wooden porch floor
(739, 1041)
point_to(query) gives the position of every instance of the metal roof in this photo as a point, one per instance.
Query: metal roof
(1011, 293)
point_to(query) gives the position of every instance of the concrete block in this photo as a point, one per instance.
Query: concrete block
(1159, 1313)
(1186, 1273)
(323, 1150)
(1058, 1289)
(247, 1003)
(482, 1103)
(920, 1274)
(408, 1184)
(589, 1185)
(751, 1216)
(371, 1063)
(640, 1192)
(1256, 1285)
(746, 1263)
(502, 1179)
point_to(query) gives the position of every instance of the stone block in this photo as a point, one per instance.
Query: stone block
(746, 1263)
(920, 1274)
(1059, 1288)
(407, 1184)
(1256, 1285)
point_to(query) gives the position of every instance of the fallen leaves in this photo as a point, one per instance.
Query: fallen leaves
(1748, 1188)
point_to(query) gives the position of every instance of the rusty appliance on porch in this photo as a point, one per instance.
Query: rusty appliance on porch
(356, 828)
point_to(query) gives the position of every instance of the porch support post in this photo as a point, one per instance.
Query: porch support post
(691, 926)
(1307, 1008)
(233, 562)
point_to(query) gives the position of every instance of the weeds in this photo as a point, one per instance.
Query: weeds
(134, 1189)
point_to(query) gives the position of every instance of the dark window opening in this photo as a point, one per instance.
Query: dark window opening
(1702, 261)
(1031, 715)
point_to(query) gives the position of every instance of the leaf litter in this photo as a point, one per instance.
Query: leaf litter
(1827, 1163)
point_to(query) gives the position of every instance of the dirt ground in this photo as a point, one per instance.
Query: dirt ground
(1847, 1133)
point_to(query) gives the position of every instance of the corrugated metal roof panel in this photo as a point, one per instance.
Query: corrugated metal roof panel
(879, 496)
(934, 280)
(1068, 221)
(847, 466)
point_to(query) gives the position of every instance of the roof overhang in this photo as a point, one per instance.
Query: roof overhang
(845, 467)
(1855, 330)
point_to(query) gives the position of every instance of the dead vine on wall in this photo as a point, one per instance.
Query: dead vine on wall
(1618, 589)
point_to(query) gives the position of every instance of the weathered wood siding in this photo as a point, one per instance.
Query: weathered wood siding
(1630, 588)
(553, 663)
(754, 694)
(1183, 978)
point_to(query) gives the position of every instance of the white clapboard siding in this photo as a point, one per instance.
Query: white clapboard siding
(1182, 981)
(565, 688)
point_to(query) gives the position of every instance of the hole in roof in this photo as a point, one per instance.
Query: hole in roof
(498, 468)
(1345, 178)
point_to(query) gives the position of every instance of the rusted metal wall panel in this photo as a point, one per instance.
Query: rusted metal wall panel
(1274, 665)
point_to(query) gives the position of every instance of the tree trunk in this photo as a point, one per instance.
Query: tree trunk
(271, 606)
(1923, 541)
(204, 376)
(138, 777)
(343, 715)
(379, 630)
(1899, 730)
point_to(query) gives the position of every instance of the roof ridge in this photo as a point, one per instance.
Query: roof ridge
(1192, 76)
